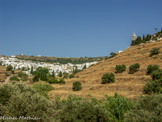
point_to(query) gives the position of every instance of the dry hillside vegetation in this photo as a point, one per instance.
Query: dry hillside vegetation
(129, 85)
(3, 74)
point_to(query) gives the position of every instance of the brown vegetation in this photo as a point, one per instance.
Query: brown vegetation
(3, 74)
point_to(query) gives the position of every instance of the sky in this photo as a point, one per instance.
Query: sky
(74, 28)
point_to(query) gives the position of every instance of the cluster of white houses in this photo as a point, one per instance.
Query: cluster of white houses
(56, 67)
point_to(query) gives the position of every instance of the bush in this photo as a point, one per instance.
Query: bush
(20, 100)
(153, 87)
(120, 68)
(112, 54)
(157, 74)
(61, 81)
(154, 51)
(52, 80)
(66, 75)
(43, 89)
(53, 74)
(20, 74)
(134, 68)
(40, 73)
(9, 68)
(35, 79)
(14, 78)
(108, 78)
(147, 109)
(71, 76)
(77, 86)
(152, 68)
(23, 76)
(12, 71)
(76, 109)
(118, 106)
(60, 74)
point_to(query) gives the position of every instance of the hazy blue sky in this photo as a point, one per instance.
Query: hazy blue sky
(74, 28)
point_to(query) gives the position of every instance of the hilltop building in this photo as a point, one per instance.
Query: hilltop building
(134, 37)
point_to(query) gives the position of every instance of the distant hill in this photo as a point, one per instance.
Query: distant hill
(1, 55)
(129, 85)
(62, 60)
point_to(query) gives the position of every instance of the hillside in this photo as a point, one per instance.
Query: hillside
(129, 85)
(61, 60)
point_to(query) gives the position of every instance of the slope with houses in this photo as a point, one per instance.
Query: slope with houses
(26, 65)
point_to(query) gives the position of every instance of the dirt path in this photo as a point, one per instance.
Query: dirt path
(7, 80)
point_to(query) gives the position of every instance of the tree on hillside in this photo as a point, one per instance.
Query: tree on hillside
(108, 78)
(60, 74)
(144, 37)
(9, 68)
(31, 71)
(112, 54)
(148, 37)
(53, 74)
(41, 73)
(85, 67)
(77, 86)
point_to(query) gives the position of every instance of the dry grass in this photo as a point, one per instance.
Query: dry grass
(129, 85)
(2, 74)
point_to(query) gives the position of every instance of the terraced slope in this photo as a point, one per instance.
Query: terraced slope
(129, 85)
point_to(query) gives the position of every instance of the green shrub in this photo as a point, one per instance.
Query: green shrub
(52, 80)
(35, 79)
(61, 81)
(157, 74)
(71, 76)
(77, 86)
(120, 68)
(117, 107)
(112, 54)
(43, 89)
(20, 100)
(108, 78)
(76, 109)
(23, 76)
(147, 109)
(9, 68)
(20, 74)
(14, 78)
(134, 68)
(154, 51)
(12, 71)
(153, 87)
(85, 67)
(60, 74)
(53, 74)
(40, 73)
(152, 68)
(66, 75)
